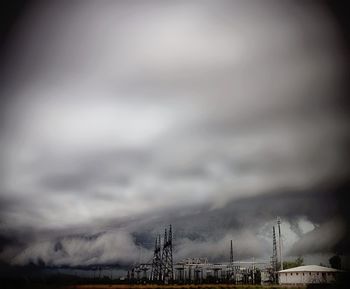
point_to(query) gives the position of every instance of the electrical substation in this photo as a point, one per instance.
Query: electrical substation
(162, 270)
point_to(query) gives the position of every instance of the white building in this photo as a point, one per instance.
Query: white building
(307, 274)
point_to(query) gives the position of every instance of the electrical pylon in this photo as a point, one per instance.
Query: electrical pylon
(156, 271)
(167, 257)
(280, 242)
(274, 259)
(231, 254)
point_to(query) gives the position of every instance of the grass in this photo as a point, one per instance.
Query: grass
(190, 286)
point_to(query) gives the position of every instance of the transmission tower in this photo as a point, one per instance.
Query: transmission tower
(164, 254)
(280, 242)
(231, 254)
(274, 260)
(231, 269)
(156, 271)
(167, 256)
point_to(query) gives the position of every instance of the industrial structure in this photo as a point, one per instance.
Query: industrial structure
(199, 270)
(161, 265)
(161, 268)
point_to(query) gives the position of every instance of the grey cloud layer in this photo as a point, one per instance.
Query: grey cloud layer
(198, 232)
(107, 248)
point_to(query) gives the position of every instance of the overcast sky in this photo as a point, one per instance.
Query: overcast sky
(216, 116)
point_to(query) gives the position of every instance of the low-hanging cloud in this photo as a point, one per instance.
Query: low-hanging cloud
(104, 248)
(323, 238)
(199, 231)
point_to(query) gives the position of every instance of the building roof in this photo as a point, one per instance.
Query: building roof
(309, 268)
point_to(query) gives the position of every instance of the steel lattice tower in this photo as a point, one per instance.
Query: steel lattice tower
(280, 242)
(156, 271)
(274, 260)
(231, 268)
(167, 256)
(231, 254)
(170, 241)
(164, 253)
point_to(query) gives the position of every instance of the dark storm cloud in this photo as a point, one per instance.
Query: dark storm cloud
(212, 117)
(198, 232)
(106, 248)
(324, 238)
